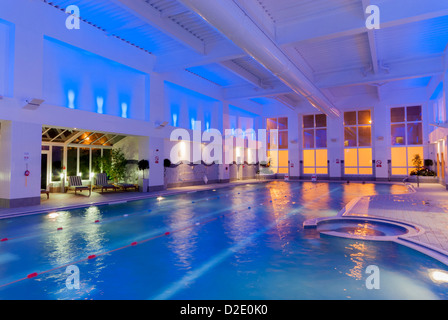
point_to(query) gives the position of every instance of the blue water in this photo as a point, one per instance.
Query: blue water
(242, 242)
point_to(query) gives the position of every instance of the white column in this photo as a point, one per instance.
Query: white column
(28, 60)
(151, 147)
(381, 140)
(335, 145)
(294, 130)
(20, 150)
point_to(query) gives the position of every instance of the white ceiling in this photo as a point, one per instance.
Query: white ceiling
(326, 39)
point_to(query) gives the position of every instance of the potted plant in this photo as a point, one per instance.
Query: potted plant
(166, 164)
(143, 165)
(265, 167)
(423, 174)
(428, 163)
(417, 162)
(265, 164)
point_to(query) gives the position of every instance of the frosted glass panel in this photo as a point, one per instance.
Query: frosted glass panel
(308, 138)
(414, 113)
(350, 137)
(350, 118)
(351, 157)
(365, 136)
(308, 121)
(414, 133)
(398, 136)
(321, 138)
(397, 114)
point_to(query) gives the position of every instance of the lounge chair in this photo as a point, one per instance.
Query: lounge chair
(101, 182)
(75, 182)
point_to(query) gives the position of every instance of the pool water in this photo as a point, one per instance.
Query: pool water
(241, 242)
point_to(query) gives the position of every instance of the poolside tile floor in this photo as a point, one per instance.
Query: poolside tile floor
(427, 208)
(65, 201)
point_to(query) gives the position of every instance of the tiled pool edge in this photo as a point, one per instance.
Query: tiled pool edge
(434, 252)
(27, 211)
(169, 192)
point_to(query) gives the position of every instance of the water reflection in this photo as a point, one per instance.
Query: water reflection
(183, 242)
(73, 243)
(94, 238)
(59, 245)
(310, 192)
(359, 254)
(281, 207)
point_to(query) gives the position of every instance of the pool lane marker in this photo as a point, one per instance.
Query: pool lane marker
(117, 218)
(186, 280)
(132, 244)
(110, 219)
(135, 243)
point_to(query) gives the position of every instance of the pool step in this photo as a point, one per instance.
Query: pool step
(310, 224)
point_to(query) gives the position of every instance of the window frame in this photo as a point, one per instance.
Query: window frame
(315, 169)
(408, 147)
(367, 170)
(282, 169)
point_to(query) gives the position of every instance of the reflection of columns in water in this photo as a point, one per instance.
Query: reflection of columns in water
(59, 246)
(92, 234)
(353, 190)
(241, 225)
(183, 243)
(309, 193)
(361, 255)
(281, 206)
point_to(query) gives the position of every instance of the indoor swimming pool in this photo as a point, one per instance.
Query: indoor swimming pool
(239, 242)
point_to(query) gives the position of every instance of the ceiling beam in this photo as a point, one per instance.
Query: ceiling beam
(104, 134)
(350, 21)
(60, 134)
(249, 91)
(46, 132)
(86, 138)
(242, 73)
(128, 26)
(110, 139)
(180, 60)
(258, 15)
(173, 10)
(286, 101)
(73, 137)
(153, 17)
(399, 70)
(373, 50)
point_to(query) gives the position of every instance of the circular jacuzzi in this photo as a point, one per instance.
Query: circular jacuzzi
(362, 228)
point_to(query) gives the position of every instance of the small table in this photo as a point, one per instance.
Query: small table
(46, 192)
(127, 186)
